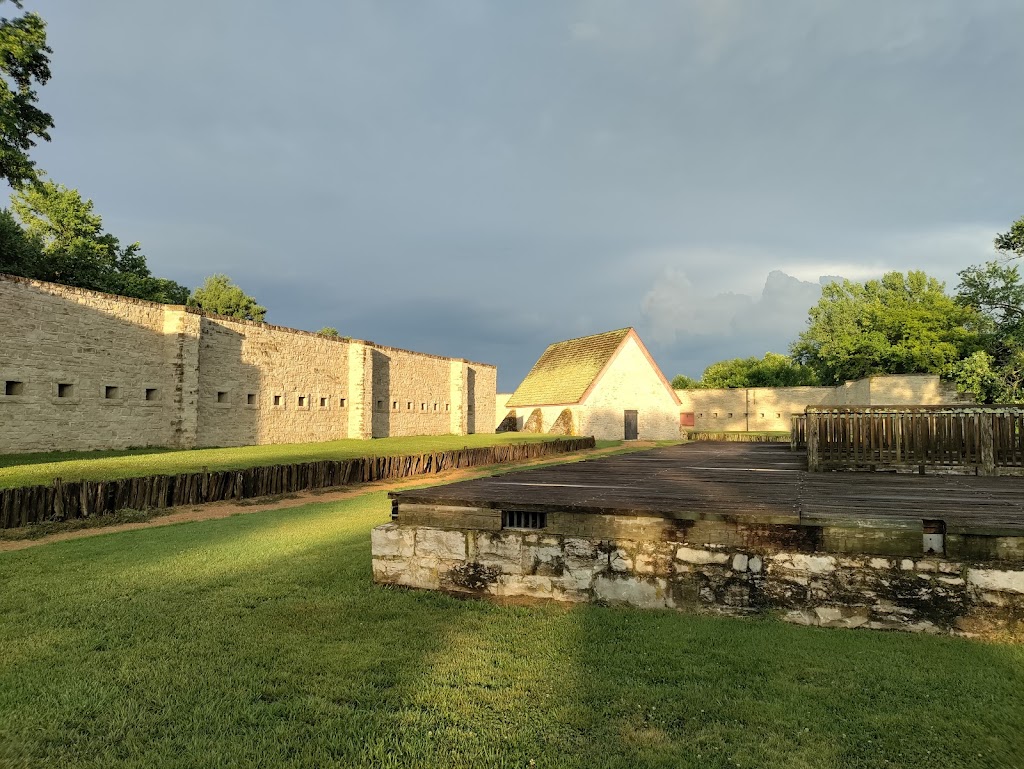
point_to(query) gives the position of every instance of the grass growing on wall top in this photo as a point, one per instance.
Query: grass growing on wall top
(260, 640)
(32, 469)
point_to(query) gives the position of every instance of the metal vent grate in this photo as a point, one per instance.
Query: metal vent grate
(523, 519)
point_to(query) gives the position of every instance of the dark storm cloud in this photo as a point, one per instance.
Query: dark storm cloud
(479, 179)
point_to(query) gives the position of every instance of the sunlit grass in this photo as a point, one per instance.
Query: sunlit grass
(260, 640)
(776, 433)
(32, 469)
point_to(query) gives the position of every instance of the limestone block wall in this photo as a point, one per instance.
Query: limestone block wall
(769, 408)
(854, 393)
(81, 370)
(928, 594)
(412, 393)
(716, 410)
(910, 389)
(262, 384)
(481, 382)
(629, 382)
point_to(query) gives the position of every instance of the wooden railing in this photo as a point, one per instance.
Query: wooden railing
(798, 431)
(982, 440)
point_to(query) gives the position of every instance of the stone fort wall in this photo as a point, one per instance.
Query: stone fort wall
(770, 408)
(81, 370)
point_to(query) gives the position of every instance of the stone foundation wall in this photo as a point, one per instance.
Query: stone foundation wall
(929, 594)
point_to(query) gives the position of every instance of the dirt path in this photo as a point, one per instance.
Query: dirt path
(215, 510)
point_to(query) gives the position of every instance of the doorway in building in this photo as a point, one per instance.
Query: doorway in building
(631, 425)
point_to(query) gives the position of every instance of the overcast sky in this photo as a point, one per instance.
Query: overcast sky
(479, 179)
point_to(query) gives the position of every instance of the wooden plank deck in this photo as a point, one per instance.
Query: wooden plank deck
(764, 483)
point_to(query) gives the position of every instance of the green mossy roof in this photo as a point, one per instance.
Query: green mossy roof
(567, 369)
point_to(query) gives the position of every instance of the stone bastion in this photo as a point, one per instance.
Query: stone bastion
(840, 573)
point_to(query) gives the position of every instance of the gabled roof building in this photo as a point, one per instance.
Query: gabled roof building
(605, 385)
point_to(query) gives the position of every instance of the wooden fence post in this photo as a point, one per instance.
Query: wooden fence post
(813, 459)
(988, 444)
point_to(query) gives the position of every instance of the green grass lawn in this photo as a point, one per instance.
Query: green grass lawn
(260, 641)
(32, 469)
(779, 433)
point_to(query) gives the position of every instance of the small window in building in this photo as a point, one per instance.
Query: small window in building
(423, 407)
(323, 403)
(250, 399)
(730, 413)
(394, 405)
(65, 390)
(523, 519)
(762, 415)
(151, 393)
(222, 396)
(778, 416)
(341, 402)
(302, 400)
(409, 405)
(714, 415)
(14, 388)
(435, 407)
(380, 405)
(277, 400)
(111, 392)
(446, 406)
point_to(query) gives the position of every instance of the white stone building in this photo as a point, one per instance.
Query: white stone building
(605, 385)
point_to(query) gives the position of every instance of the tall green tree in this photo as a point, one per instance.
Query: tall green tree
(683, 382)
(900, 324)
(73, 248)
(995, 291)
(1011, 242)
(773, 370)
(24, 65)
(222, 297)
(19, 253)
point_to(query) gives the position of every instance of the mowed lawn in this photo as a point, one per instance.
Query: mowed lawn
(42, 468)
(260, 641)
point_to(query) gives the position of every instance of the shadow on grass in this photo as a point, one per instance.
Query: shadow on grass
(54, 457)
(261, 640)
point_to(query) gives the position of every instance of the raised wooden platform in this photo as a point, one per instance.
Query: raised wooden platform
(746, 483)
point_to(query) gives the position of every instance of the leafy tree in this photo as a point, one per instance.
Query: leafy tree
(72, 248)
(773, 370)
(994, 290)
(329, 331)
(900, 324)
(683, 382)
(19, 253)
(222, 297)
(989, 382)
(1011, 242)
(24, 64)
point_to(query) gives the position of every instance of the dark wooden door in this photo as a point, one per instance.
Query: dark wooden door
(632, 428)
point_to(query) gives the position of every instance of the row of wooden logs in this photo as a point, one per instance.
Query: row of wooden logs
(82, 499)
